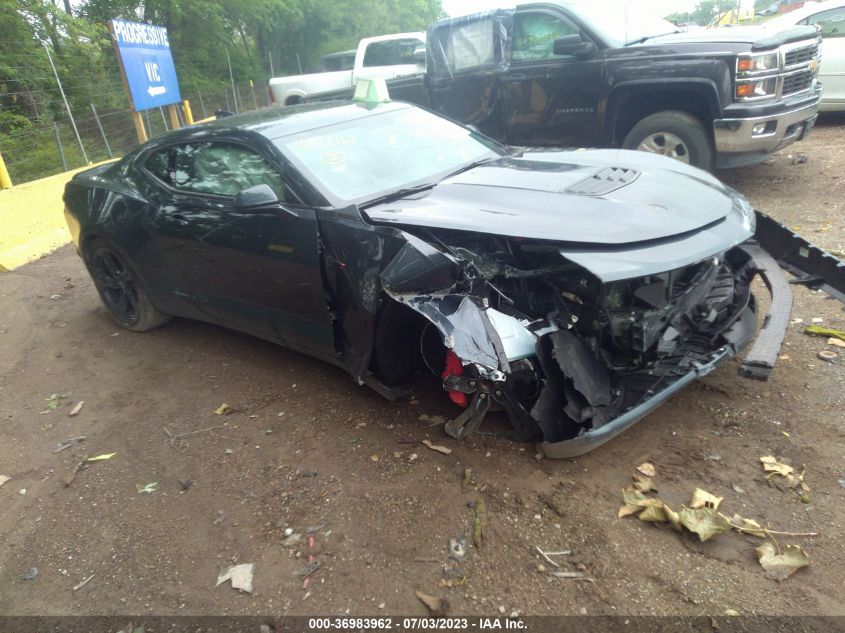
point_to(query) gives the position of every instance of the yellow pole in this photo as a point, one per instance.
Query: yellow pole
(5, 181)
(186, 111)
(174, 116)
(139, 126)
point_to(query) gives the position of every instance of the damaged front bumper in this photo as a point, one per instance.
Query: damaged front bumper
(575, 385)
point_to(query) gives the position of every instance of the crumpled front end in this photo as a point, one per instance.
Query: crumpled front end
(573, 359)
(563, 353)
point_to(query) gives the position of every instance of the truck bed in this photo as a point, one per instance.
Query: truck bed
(410, 89)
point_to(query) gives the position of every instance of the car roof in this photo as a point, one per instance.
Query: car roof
(809, 8)
(286, 120)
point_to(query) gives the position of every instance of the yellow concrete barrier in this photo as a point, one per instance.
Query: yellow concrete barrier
(32, 221)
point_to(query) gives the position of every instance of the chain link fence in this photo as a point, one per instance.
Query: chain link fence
(44, 143)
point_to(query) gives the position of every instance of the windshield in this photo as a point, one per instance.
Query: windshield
(365, 158)
(622, 22)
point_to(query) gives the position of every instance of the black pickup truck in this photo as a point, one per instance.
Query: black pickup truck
(582, 73)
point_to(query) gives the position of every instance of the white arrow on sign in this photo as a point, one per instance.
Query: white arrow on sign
(154, 91)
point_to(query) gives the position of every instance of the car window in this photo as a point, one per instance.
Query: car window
(832, 22)
(364, 157)
(221, 169)
(392, 53)
(534, 36)
(468, 44)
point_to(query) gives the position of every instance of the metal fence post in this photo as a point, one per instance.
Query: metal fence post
(254, 100)
(67, 107)
(202, 106)
(102, 131)
(5, 180)
(149, 127)
(163, 119)
(232, 79)
(61, 149)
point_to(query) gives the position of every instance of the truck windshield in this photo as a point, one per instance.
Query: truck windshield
(622, 22)
(366, 158)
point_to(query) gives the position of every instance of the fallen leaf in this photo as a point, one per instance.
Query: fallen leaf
(632, 497)
(749, 526)
(731, 612)
(673, 517)
(818, 330)
(628, 510)
(240, 575)
(76, 408)
(437, 606)
(780, 566)
(835, 342)
(480, 522)
(4, 479)
(100, 458)
(642, 483)
(773, 467)
(439, 449)
(703, 499)
(653, 513)
(647, 469)
(223, 409)
(147, 489)
(705, 522)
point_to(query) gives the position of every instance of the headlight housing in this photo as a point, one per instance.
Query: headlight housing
(757, 89)
(761, 62)
(756, 76)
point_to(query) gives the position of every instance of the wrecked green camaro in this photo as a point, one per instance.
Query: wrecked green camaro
(577, 291)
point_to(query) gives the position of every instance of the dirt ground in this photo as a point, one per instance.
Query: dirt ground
(305, 448)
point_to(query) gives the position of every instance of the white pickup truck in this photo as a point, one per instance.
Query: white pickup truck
(384, 56)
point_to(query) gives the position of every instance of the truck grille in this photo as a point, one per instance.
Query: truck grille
(801, 55)
(797, 82)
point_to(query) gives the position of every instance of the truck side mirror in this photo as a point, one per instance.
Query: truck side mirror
(575, 46)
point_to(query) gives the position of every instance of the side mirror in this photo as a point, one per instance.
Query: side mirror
(256, 197)
(575, 46)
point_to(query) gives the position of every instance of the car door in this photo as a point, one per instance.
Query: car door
(256, 270)
(832, 71)
(550, 99)
(465, 62)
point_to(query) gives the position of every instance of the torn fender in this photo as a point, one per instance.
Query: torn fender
(463, 322)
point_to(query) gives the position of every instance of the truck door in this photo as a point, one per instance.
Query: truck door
(465, 59)
(549, 98)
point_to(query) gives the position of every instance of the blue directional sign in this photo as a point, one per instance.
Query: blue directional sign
(144, 52)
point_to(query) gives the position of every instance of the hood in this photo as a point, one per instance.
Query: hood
(758, 37)
(607, 197)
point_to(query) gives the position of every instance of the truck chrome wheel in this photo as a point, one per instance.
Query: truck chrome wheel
(666, 144)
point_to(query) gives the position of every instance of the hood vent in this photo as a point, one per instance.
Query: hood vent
(604, 181)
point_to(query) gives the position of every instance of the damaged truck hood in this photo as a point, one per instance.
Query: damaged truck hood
(582, 197)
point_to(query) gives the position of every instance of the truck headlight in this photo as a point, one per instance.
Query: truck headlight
(756, 63)
(757, 89)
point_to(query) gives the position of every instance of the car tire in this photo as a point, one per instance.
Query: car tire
(675, 134)
(120, 288)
